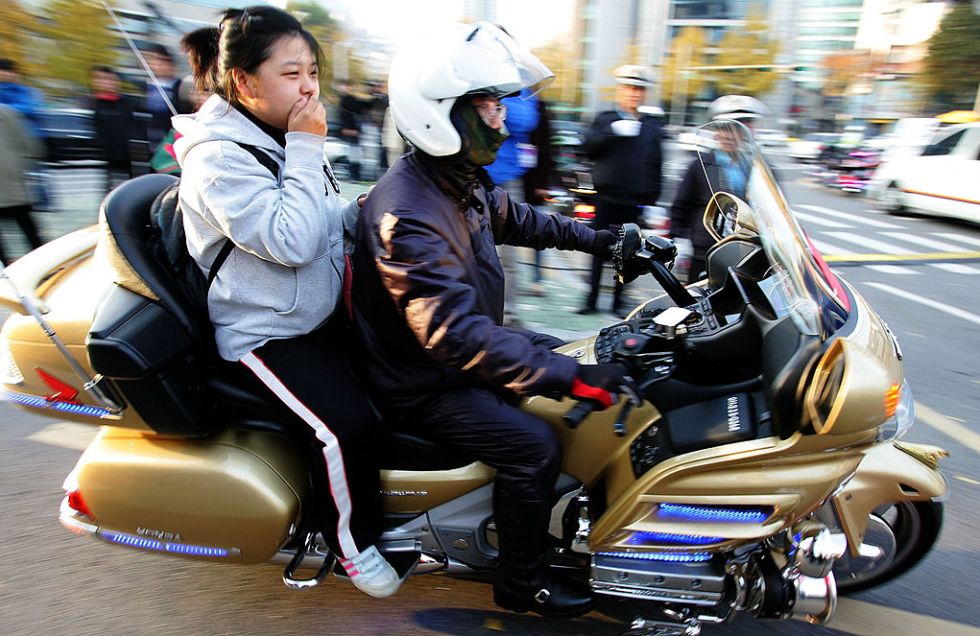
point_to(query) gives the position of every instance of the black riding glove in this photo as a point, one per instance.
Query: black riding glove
(601, 383)
(603, 244)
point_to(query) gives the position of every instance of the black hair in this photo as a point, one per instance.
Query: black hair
(104, 69)
(6, 64)
(161, 50)
(243, 39)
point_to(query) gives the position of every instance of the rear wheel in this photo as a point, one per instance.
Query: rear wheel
(892, 200)
(899, 534)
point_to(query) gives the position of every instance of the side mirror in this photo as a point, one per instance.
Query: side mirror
(726, 214)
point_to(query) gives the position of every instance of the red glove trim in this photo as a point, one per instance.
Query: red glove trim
(588, 392)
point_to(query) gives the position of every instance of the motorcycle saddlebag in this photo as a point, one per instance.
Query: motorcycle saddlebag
(140, 345)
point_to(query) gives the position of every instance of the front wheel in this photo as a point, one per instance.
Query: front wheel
(899, 534)
(891, 200)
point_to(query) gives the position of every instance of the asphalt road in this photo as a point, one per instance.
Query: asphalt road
(52, 582)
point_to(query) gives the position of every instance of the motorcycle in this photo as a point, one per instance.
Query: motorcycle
(761, 471)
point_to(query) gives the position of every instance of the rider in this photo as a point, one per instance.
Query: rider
(428, 296)
(694, 192)
(274, 302)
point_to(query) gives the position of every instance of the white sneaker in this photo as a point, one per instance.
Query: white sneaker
(371, 574)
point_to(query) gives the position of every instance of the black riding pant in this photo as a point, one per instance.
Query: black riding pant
(310, 375)
(608, 215)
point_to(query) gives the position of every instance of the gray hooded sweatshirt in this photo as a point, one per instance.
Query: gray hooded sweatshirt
(285, 275)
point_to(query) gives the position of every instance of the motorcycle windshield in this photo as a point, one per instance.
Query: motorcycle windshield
(799, 283)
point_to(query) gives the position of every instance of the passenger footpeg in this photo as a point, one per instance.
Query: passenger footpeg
(308, 548)
(648, 627)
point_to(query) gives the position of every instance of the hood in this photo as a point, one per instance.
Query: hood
(217, 120)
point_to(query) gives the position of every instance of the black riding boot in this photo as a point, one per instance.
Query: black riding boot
(523, 582)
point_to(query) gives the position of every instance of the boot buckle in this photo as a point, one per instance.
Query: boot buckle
(542, 596)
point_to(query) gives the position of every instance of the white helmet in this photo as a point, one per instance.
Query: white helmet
(428, 75)
(737, 107)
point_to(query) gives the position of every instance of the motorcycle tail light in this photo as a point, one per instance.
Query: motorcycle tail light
(584, 211)
(8, 366)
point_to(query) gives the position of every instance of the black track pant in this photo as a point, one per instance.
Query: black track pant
(309, 374)
(523, 449)
(21, 214)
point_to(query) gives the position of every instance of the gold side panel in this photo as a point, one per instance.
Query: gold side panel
(239, 490)
(886, 475)
(412, 491)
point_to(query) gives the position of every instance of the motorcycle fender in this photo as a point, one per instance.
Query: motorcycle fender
(888, 473)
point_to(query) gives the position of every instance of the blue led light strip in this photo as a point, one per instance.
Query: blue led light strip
(713, 513)
(160, 546)
(670, 557)
(40, 403)
(642, 538)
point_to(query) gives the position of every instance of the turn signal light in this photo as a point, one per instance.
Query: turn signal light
(892, 397)
(77, 503)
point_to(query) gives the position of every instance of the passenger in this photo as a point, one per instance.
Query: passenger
(429, 296)
(275, 303)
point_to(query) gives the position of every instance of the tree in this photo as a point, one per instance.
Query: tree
(329, 33)
(951, 66)
(842, 69)
(558, 57)
(751, 46)
(16, 25)
(79, 38)
(686, 51)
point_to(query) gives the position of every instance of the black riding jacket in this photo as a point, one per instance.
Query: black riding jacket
(627, 169)
(428, 287)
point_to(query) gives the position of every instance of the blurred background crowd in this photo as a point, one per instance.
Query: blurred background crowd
(843, 80)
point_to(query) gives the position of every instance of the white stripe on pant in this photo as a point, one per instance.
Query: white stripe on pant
(331, 450)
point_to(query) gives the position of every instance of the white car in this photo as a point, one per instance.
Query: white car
(810, 147)
(944, 179)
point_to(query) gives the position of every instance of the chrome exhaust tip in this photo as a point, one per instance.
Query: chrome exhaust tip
(816, 598)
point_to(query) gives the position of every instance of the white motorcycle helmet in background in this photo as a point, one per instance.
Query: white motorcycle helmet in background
(738, 107)
(428, 75)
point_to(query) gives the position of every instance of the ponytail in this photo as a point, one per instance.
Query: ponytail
(201, 47)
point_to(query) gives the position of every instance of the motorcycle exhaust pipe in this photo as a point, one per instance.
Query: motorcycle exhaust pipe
(816, 599)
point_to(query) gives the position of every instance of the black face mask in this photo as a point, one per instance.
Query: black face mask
(480, 142)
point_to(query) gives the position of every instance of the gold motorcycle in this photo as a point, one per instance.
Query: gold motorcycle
(759, 470)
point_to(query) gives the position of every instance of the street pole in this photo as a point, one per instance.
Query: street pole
(680, 88)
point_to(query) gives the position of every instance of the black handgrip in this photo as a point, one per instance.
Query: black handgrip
(577, 413)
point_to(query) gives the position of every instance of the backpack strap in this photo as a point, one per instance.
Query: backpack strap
(272, 166)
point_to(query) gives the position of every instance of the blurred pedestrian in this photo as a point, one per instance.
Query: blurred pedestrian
(161, 62)
(538, 181)
(351, 111)
(514, 158)
(694, 191)
(115, 123)
(625, 148)
(22, 98)
(392, 141)
(164, 159)
(21, 148)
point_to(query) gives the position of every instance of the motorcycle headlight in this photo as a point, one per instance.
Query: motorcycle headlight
(9, 371)
(900, 407)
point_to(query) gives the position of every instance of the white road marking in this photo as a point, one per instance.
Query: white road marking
(855, 218)
(962, 238)
(827, 248)
(816, 220)
(894, 269)
(967, 480)
(65, 435)
(867, 619)
(956, 268)
(947, 426)
(870, 243)
(928, 302)
(932, 244)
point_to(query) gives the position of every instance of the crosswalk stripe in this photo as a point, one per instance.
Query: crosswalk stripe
(837, 214)
(932, 244)
(969, 240)
(861, 618)
(893, 269)
(928, 302)
(816, 220)
(864, 241)
(913, 219)
(956, 268)
(827, 248)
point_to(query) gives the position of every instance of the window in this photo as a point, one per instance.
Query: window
(944, 146)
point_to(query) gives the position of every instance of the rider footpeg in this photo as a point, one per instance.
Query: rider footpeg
(309, 547)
